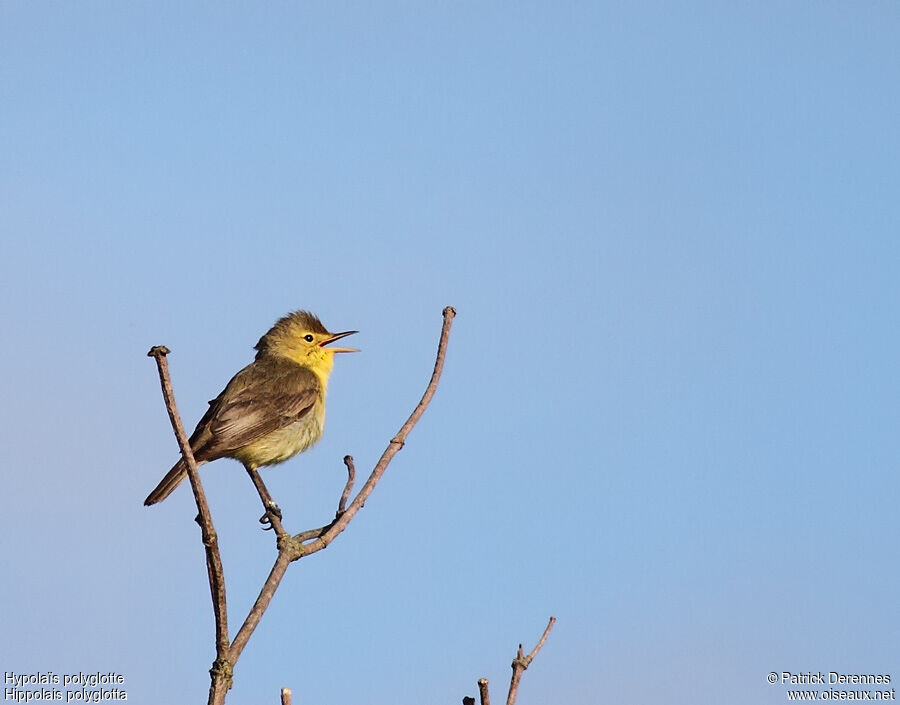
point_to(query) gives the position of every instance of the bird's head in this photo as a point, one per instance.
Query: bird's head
(301, 337)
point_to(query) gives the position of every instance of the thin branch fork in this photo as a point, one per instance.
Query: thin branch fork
(519, 664)
(290, 548)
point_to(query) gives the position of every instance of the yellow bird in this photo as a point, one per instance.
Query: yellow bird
(272, 409)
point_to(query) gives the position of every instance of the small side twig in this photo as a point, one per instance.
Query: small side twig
(520, 663)
(348, 488)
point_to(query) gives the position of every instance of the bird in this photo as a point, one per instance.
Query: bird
(272, 409)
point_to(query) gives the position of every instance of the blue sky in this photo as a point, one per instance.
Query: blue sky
(669, 412)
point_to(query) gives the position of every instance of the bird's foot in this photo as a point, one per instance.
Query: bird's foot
(272, 510)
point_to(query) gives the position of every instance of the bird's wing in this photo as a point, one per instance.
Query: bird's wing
(263, 397)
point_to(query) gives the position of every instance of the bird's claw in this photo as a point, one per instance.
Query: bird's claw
(272, 510)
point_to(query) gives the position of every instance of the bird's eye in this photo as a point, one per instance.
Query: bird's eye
(308, 338)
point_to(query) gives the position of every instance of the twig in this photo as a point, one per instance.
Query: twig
(392, 449)
(520, 663)
(285, 696)
(348, 488)
(282, 561)
(294, 548)
(304, 536)
(310, 534)
(221, 670)
(483, 691)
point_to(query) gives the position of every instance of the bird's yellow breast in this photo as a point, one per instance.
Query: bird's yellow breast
(286, 442)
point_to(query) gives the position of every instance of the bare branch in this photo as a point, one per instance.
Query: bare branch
(285, 556)
(540, 644)
(285, 696)
(293, 548)
(483, 691)
(348, 488)
(392, 449)
(520, 663)
(310, 534)
(214, 566)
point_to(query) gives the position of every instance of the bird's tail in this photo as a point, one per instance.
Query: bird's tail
(172, 479)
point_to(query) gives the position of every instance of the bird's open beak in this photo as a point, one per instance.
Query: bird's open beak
(338, 336)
